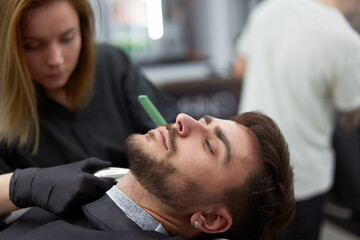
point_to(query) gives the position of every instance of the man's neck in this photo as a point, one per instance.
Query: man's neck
(173, 221)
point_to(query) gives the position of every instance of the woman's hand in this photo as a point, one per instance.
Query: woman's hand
(61, 190)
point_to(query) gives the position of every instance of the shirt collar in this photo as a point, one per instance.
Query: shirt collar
(134, 212)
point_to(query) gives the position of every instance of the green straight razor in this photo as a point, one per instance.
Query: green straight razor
(151, 110)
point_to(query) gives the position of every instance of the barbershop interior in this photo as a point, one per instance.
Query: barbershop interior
(190, 52)
(297, 61)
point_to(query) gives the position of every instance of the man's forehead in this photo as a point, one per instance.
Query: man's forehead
(225, 123)
(242, 139)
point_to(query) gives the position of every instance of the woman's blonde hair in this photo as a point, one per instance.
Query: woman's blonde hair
(19, 118)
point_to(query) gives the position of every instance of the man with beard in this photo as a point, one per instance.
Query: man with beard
(196, 179)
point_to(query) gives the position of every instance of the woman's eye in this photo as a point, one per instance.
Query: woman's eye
(209, 146)
(32, 46)
(68, 39)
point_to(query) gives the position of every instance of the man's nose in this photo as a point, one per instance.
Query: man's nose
(186, 125)
(55, 56)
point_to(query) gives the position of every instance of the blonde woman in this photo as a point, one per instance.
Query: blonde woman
(64, 98)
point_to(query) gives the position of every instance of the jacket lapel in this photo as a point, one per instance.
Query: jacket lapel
(105, 215)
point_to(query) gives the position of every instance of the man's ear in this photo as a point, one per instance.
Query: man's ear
(213, 221)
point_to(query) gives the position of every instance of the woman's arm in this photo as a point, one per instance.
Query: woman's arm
(6, 205)
(61, 190)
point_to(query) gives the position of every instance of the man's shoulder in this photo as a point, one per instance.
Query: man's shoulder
(38, 224)
(29, 221)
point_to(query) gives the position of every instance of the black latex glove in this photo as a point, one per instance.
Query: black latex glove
(60, 190)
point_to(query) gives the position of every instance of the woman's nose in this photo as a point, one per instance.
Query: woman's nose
(186, 125)
(55, 57)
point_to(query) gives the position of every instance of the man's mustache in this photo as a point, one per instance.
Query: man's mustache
(172, 135)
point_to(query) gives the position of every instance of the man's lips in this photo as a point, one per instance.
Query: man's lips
(163, 135)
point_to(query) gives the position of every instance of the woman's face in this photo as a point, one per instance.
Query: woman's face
(52, 41)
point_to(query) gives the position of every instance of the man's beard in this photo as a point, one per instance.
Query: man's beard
(157, 176)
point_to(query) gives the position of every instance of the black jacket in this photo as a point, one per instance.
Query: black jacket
(102, 220)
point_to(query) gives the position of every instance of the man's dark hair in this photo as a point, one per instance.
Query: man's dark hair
(264, 205)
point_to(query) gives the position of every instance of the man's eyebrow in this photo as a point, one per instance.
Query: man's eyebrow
(207, 119)
(220, 134)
